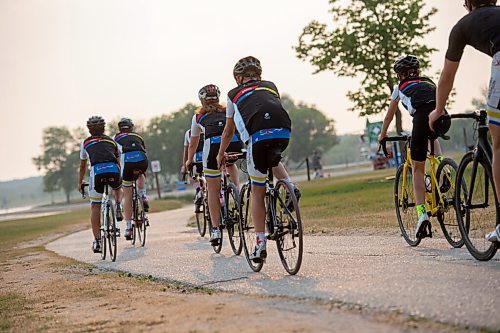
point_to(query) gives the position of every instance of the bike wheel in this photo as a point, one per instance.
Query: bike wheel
(446, 175)
(232, 218)
(289, 238)
(476, 205)
(144, 222)
(247, 228)
(201, 221)
(112, 232)
(404, 201)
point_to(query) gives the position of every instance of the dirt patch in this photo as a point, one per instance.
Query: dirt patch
(45, 292)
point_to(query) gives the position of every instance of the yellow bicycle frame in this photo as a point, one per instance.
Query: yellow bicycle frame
(431, 205)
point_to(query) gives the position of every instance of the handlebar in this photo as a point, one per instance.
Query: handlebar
(476, 115)
(82, 190)
(391, 139)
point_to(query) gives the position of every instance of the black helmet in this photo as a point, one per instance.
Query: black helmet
(95, 122)
(479, 3)
(125, 123)
(209, 92)
(442, 125)
(405, 63)
(246, 64)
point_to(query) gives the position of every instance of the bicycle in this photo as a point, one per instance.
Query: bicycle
(439, 194)
(229, 211)
(140, 220)
(476, 202)
(108, 224)
(283, 225)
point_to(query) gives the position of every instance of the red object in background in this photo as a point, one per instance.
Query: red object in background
(379, 162)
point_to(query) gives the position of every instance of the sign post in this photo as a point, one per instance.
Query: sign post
(156, 168)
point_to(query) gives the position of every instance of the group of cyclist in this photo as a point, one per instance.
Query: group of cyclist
(116, 162)
(254, 117)
(426, 101)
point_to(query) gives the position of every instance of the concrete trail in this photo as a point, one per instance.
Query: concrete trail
(380, 272)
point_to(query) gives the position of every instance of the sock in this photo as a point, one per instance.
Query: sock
(129, 224)
(440, 158)
(261, 237)
(142, 192)
(420, 210)
(288, 179)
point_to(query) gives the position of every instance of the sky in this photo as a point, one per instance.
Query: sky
(62, 61)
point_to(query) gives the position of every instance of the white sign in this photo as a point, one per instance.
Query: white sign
(155, 166)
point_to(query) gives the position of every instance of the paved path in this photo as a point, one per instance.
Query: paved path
(380, 272)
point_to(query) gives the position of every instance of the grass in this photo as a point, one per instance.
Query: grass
(354, 201)
(16, 231)
(12, 307)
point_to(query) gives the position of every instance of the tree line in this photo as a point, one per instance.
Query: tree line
(164, 137)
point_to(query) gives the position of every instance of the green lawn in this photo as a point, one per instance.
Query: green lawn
(16, 231)
(354, 201)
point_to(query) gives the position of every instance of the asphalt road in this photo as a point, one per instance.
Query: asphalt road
(431, 281)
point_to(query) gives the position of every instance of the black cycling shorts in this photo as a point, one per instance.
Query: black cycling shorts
(420, 135)
(262, 156)
(211, 161)
(132, 170)
(113, 180)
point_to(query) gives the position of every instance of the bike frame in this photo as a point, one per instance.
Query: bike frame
(434, 207)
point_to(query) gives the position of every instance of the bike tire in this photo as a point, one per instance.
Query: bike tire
(247, 229)
(476, 222)
(290, 241)
(233, 218)
(134, 218)
(104, 234)
(446, 175)
(201, 220)
(144, 222)
(406, 212)
(112, 233)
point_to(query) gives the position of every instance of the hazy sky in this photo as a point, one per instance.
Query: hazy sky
(63, 61)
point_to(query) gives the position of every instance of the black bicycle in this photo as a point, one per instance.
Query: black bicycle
(140, 221)
(231, 205)
(283, 224)
(476, 202)
(108, 224)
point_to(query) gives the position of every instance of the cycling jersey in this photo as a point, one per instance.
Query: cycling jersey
(133, 156)
(255, 106)
(212, 125)
(99, 149)
(415, 93)
(480, 29)
(102, 152)
(199, 149)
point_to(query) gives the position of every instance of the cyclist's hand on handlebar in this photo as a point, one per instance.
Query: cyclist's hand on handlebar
(433, 116)
(189, 164)
(183, 169)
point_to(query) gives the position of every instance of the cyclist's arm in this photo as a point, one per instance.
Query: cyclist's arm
(191, 150)
(81, 173)
(388, 117)
(445, 84)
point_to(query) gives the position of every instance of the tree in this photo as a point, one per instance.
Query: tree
(311, 130)
(59, 160)
(368, 35)
(165, 137)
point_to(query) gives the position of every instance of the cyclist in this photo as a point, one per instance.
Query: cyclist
(480, 28)
(102, 152)
(211, 119)
(418, 95)
(134, 163)
(254, 108)
(198, 163)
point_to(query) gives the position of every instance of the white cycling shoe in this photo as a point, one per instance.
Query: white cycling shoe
(259, 254)
(215, 237)
(494, 236)
(423, 225)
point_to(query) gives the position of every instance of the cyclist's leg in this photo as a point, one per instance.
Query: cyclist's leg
(213, 179)
(95, 196)
(258, 192)
(418, 150)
